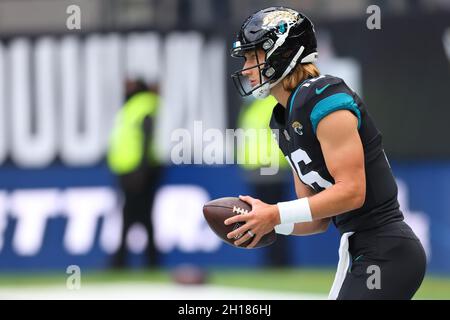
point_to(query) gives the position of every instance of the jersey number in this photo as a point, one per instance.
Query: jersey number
(312, 177)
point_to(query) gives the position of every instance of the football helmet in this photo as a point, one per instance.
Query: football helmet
(287, 38)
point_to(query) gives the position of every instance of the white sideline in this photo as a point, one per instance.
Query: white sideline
(145, 291)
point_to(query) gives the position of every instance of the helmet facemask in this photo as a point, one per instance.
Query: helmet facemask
(265, 71)
(274, 69)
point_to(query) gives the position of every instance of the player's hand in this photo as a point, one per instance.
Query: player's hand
(260, 221)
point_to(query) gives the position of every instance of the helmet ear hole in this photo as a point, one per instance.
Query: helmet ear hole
(269, 72)
(268, 44)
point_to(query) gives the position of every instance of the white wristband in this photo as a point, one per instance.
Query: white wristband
(295, 211)
(285, 229)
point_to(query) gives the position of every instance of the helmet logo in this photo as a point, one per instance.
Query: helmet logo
(282, 27)
(275, 19)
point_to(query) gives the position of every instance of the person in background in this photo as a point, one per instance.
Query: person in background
(132, 157)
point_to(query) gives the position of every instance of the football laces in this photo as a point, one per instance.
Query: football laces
(239, 210)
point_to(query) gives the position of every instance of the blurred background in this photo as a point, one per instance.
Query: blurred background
(103, 106)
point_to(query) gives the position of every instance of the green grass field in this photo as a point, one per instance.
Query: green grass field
(287, 280)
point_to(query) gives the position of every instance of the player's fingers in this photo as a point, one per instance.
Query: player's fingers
(237, 218)
(248, 199)
(241, 230)
(242, 239)
(255, 241)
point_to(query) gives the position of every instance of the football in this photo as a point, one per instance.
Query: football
(217, 211)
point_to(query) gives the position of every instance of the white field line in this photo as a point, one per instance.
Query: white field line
(137, 291)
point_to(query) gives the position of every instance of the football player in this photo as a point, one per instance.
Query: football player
(340, 169)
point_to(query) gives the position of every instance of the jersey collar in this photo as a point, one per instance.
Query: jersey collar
(293, 95)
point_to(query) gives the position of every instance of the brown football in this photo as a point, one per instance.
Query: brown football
(217, 211)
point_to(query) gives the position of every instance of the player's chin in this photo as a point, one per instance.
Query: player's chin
(253, 84)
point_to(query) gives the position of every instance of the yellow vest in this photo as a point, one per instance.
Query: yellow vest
(257, 116)
(125, 145)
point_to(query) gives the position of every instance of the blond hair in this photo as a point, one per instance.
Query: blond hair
(300, 73)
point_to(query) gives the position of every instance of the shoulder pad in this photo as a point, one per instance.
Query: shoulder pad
(313, 88)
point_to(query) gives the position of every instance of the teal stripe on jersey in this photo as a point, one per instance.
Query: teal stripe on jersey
(335, 102)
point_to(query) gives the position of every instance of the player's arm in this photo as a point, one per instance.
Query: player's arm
(343, 152)
(307, 228)
(302, 190)
(344, 157)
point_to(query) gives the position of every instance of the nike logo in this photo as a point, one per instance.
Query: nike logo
(319, 91)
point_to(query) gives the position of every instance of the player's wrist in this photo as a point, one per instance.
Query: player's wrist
(275, 214)
(295, 211)
(285, 229)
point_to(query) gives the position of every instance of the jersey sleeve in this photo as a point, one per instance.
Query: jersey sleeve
(335, 102)
(324, 95)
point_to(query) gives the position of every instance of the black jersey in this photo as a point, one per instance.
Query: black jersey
(296, 126)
